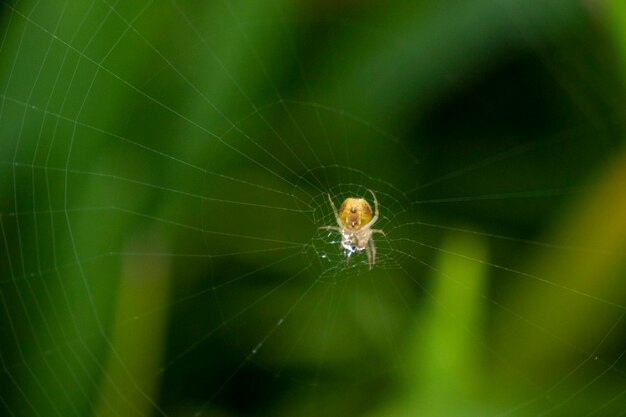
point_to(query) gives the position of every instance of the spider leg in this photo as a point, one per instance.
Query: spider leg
(378, 231)
(371, 250)
(330, 228)
(337, 218)
(369, 256)
(375, 218)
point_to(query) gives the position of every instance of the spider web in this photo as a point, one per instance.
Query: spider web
(165, 172)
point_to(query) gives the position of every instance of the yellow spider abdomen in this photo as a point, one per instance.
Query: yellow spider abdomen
(355, 213)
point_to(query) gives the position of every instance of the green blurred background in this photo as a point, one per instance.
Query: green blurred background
(164, 170)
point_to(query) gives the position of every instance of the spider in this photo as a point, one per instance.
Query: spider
(354, 222)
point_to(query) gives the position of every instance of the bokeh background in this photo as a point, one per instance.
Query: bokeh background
(164, 173)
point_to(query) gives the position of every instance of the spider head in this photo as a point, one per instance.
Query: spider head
(355, 213)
